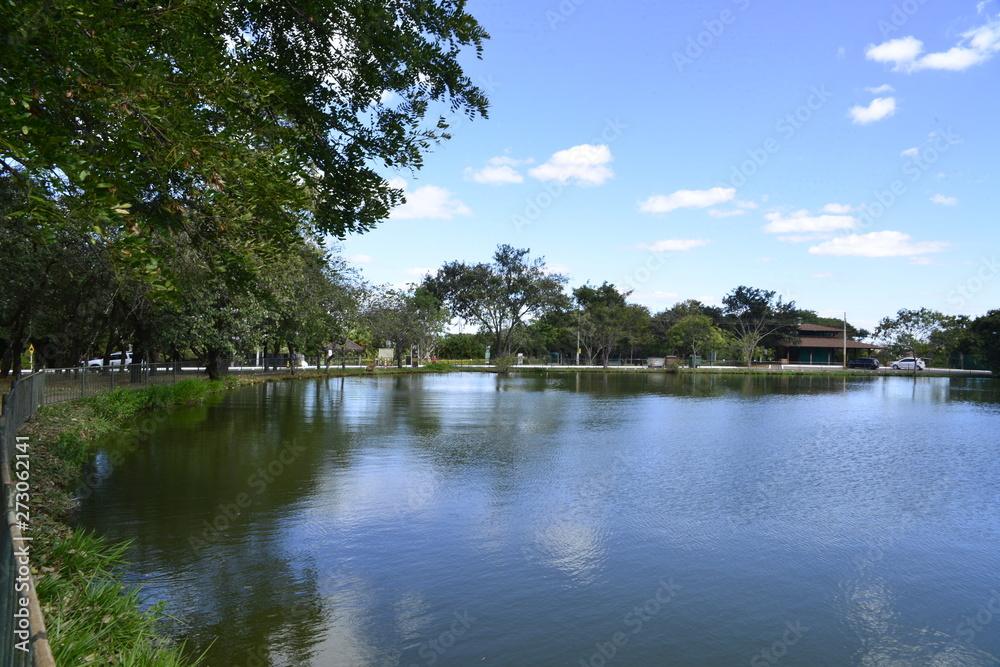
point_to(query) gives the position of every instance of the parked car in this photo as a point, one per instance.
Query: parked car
(866, 363)
(908, 363)
(116, 360)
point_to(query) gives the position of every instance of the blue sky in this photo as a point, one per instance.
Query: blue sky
(841, 154)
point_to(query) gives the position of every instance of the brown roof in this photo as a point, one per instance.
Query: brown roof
(818, 327)
(837, 343)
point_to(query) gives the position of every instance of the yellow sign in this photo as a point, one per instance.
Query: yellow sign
(31, 350)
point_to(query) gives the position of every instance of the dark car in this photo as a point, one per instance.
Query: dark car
(866, 363)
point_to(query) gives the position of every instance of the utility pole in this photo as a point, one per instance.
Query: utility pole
(845, 340)
(577, 336)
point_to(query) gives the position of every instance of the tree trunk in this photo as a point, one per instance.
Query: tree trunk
(216, 365)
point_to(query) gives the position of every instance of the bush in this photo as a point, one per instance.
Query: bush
(671, 367)
(70, 447)
(504, 362)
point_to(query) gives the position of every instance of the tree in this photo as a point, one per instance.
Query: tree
(405, 318)
(910, 332)
(986, 329)
(954, 338)
(607, 320)
(663, 321)
(694, 333)
(754, 315)
(499, 297)
(133, 116)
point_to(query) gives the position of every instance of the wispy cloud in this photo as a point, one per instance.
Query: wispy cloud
(802, 222)
(877, 244)
(904, 54)
(687, 199)
(942, 199)
(498, 171)
(884, 88)
(669, 245)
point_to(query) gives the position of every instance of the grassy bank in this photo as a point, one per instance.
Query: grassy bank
(91, 616)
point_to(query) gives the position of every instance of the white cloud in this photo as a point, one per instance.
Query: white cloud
(884, 88)
(417, 272)
(911, 152)
(954, 59)
(716, 213)
(879, 108)
(668, 245)
(558, 268)
(926, 261)
(359, 259)
(687, 199)
(585, 164)
(897, 51)
(877, 244)
(499, 170)
(428, 201)
(976, 46)
(747, 204)
(838, 209)
(801, 222)
(942, 199)
(494, 175)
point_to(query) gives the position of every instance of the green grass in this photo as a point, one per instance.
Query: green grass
(438, 366)
(91, 617)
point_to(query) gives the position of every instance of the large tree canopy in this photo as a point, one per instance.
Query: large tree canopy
(501, 296)
(754, 315)
(125, 119)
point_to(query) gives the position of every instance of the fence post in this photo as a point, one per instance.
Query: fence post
(111, 371)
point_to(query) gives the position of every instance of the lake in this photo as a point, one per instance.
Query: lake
(570, 519)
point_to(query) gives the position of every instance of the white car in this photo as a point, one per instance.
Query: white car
(116, 360)
(908, 363)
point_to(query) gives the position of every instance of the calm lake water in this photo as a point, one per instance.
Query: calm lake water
(566, 519)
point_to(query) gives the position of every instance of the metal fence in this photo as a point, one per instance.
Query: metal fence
(22, 633)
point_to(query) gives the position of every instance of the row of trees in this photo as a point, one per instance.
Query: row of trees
(167, 169)
(70, 304)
